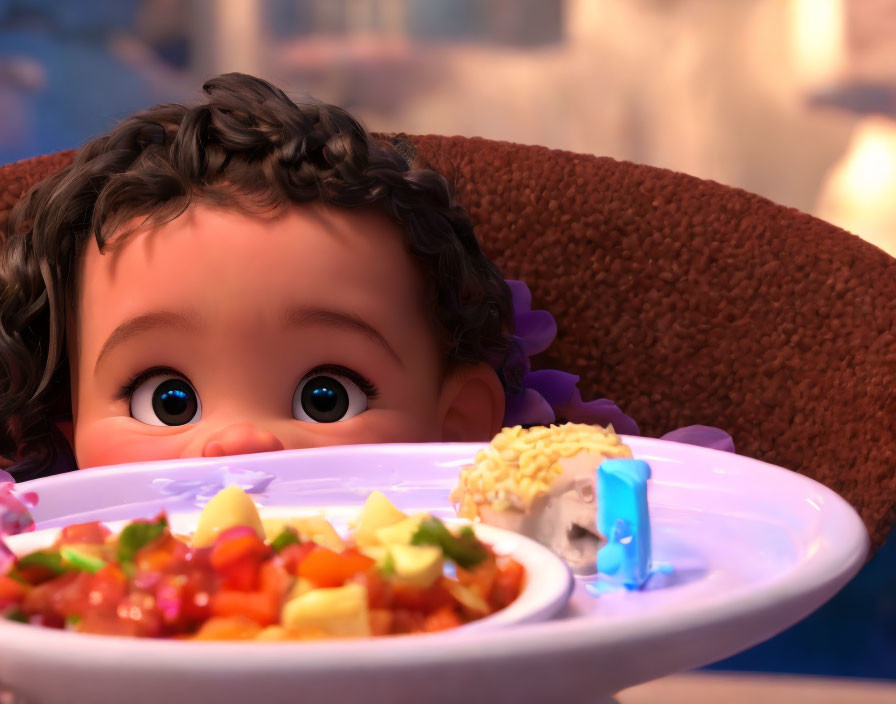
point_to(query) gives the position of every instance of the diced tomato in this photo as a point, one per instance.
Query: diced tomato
(508, 583)
(154, 560)
(180, 551)
(106, 623)
(196, 598)
(77, 593)
(241, 575)
(380, 621)
(184, 600)
(198, 558)
(39, 600)
(273, 579)
(73, 598)
(261, 607)
(36, 574)
(423, 600)
(108, 585)
(326, 568)
(293, 555)
(481, 578)
(404, 621)
(436, 597)
(405, 597)
(359, 557)
(379, 591)
(47, 620)
(162, 554)
(137, 614)
(93, 533)
(228, 551)
(12, 591)
(441, 620)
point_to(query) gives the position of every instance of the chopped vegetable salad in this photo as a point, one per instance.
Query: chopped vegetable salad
(241, 578)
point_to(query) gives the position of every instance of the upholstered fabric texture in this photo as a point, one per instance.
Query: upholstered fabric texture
(686, 302)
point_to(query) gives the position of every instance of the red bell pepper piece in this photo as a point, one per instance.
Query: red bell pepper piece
(261, 607)
(93, 533)
(11, 591)
(326, 568)
(228, 551)
(508, 583)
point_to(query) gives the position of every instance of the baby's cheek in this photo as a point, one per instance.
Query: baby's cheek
(386, 426)
(372, 427)
(113, 442)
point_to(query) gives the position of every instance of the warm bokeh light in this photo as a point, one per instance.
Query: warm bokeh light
(721, 90)
(229, 36)
(860, 192)
(819, 42)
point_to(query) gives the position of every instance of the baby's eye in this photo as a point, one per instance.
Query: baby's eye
(165, 399)
(327, 397)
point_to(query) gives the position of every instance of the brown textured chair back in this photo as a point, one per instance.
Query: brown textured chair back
(687, 302)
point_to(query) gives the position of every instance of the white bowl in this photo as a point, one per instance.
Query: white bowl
(548, 584)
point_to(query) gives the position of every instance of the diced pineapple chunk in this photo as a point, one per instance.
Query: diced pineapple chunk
(378, 553)
(378, 512)
(279, 633)
(469, 599)
(416, 565)
(339, 611)
(311, 528)
(299, 587)
(228, 508)
(400, 533)
(273, 633)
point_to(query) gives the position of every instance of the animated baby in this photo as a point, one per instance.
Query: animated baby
(243, 275)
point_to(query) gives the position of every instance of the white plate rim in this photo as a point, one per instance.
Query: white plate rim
(827, 571)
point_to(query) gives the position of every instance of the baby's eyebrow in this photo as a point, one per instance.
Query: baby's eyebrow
(298, 316)
(186, 319)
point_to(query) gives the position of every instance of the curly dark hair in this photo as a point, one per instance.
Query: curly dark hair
(247, 145)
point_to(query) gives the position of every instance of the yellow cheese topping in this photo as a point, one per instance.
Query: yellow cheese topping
(521, 464)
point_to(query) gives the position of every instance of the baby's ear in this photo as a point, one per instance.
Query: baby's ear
(472, 404)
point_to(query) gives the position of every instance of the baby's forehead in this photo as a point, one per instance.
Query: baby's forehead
(225, 290)
(241, 225)
(323, 256)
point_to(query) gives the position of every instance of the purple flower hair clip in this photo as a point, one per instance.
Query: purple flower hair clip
(541, 397)
(15, 517)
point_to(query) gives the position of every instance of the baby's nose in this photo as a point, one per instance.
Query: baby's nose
(240, 439)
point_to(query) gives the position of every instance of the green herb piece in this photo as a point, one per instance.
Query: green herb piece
(464, 549)
(288, 536)
(17, 576)
(16, 615)
(81, 560)
(72, 621)
(386, 565)
(51, 561)
(138, 535)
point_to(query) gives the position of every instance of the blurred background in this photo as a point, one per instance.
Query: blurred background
(791, 99)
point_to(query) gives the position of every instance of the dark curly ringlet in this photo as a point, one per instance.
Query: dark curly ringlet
(247, 145)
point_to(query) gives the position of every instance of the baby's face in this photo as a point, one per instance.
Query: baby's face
(223, 333)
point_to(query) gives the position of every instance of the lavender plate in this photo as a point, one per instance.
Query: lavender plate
(743, 549)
